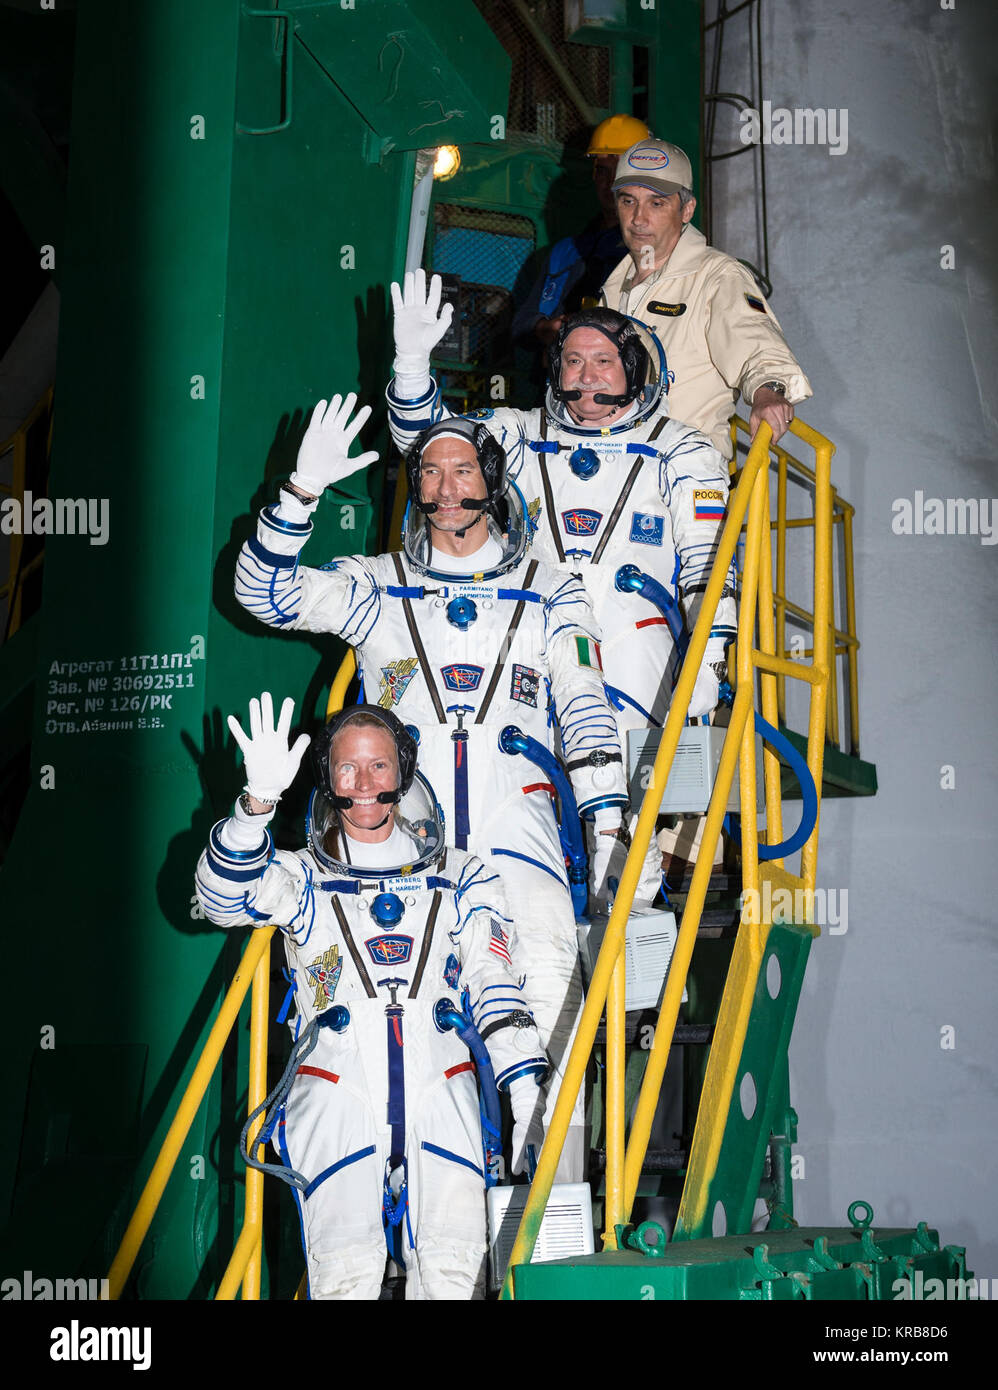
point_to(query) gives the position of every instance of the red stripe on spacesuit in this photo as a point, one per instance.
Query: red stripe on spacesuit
(461, 1066)
(649, 622)
(317, 1071)
(539, 787)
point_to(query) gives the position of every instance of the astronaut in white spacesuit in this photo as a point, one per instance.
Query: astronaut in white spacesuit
(473, 643)
(377, 1120)
(611, 481)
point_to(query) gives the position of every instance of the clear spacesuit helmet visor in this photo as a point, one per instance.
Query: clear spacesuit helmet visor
(417, 835)
(644, 362)
(508, 526)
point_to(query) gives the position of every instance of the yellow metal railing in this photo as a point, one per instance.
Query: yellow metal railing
(788, 468)
(17, 446)
(749, 504)
(243, 1272)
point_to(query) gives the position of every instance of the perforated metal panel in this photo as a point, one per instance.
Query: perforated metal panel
(539, 102)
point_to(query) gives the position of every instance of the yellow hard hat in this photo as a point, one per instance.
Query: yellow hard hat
(617, 134)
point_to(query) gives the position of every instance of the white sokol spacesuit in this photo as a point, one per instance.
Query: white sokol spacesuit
(378, 1120)
(644, 491)
(462, 658)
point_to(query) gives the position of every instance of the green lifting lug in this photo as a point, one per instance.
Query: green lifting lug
(857, 1222)
(765, 1270)
(649, 1238)
(819, 1258)
(922, 1238)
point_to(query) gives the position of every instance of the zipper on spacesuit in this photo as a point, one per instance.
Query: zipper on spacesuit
(462, 822)
(395, 1205)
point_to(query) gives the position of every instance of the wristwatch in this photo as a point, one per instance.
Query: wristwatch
(778, 386)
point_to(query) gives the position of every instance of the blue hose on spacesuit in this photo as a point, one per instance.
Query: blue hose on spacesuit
(630, 579)
(513, 740)
(446, 1015)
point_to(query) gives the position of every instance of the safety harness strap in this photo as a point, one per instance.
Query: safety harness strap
(507, 645)
(542, 463)
(365, 978)
(625, 492)
(427, 939)
(424, 665)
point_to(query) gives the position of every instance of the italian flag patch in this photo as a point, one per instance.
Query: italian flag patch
(588, 652)
(708, 504)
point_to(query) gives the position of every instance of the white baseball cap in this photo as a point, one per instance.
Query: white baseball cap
(654, 164)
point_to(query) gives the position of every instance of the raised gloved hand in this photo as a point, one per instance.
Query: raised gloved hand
(270, 764)
(709, 677)
(420, 323)
(527, 1103)
(322, 458)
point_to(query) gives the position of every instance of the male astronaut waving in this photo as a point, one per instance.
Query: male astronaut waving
(611, 481)
(465, 637)
(377, 1118)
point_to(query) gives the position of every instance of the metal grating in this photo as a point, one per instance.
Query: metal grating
(480, 254)
(539, 101)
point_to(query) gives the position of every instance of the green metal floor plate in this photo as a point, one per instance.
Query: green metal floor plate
(842, 774)
(806, 1263)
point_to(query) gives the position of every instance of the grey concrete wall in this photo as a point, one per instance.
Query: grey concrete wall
(903, 357)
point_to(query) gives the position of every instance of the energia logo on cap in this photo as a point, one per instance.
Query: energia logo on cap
(648, 159)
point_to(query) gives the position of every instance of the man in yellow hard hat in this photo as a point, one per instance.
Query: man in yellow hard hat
(577, 265)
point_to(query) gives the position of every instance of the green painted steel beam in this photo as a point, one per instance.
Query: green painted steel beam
(801, 1264)
(218, 280)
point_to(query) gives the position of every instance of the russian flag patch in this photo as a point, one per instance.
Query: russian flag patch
(708, 504)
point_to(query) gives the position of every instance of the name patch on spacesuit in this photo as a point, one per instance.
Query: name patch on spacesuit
(524, 685)
(461, 676)
(389, 950)
(324, 973)
(479, 591)
(404, 883)
(671, 311)
(708, 504)
(647, 529)
(395, 677)
(579, 521)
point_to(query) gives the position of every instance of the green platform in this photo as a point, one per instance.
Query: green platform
(808, 1263)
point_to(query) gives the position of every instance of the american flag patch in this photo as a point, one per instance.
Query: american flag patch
(498, 941)
(708, 504)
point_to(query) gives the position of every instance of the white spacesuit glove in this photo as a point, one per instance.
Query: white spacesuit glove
(322, 458)
(708, 682)
(271, 765)
(527, 1103)
(420, 323)
(607, 865)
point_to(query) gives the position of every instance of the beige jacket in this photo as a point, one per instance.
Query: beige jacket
(719, 334)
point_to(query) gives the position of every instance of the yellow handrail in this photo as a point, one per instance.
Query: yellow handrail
(751, 496)
(613, 939)
(255, 954)
(846, 641)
